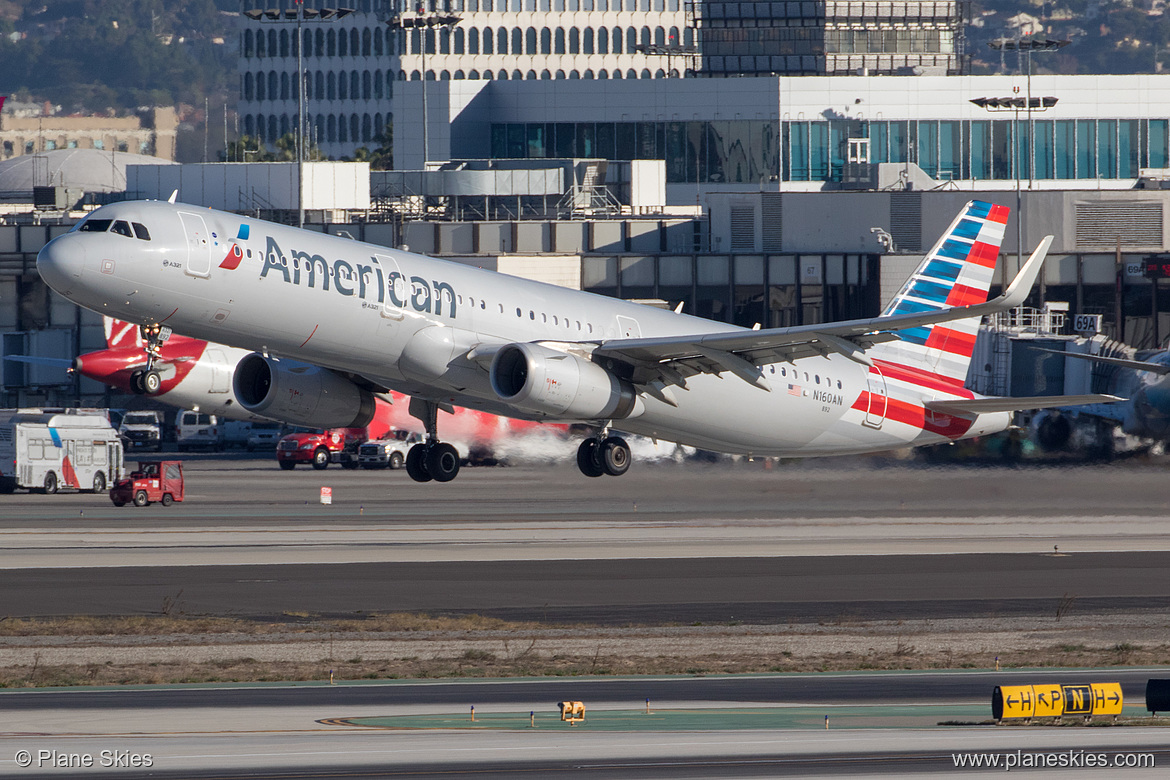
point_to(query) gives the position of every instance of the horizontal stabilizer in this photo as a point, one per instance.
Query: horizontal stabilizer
(42, 361)
(1136, 365)
(976, 406)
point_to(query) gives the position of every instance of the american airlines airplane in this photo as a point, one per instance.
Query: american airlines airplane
(333, 322)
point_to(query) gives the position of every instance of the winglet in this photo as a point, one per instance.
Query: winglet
(1017, 291)
(174, 195)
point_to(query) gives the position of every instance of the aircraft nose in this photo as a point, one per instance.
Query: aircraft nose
(60, 263)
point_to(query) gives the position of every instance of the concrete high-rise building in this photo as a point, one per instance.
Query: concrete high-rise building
(353, 66)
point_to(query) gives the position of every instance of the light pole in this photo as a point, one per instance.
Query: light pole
(299, 14)
(424, 22)
(1027, 45)
(1014, 104)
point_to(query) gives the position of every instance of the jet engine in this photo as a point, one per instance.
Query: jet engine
(1053, 431)
(300, 393)
(545, 381)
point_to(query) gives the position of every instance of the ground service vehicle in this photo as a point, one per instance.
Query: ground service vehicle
(141, 430)
(43, 450)
(153, 480)
(198, 429)
(389, 452)
(264, 435)
(321, 447)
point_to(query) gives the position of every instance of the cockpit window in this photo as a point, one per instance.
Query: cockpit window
(141, 231)
(122, 228)
(95, 225)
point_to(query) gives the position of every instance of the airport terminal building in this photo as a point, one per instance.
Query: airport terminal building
(773, 199)
(357, 68)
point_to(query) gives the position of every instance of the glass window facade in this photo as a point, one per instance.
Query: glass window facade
(752, 151)
(722, 151)
(745, 289)
(982, 149)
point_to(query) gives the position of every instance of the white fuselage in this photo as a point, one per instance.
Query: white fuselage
(408, 322)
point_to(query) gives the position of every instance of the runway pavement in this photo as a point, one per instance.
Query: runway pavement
(297, 731)
(614, 591)
(801, 541)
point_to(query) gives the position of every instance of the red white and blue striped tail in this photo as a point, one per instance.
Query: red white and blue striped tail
(957, 272)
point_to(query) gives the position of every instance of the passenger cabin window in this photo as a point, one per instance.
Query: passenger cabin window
(140, 231)
(122, 228)
(95, 225)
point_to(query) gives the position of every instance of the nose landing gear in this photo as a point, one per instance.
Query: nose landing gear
(604, 456)
(148, 381)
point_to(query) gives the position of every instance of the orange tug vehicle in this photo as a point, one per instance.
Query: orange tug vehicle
(153, 480)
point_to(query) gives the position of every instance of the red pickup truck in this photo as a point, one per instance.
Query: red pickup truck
(321, 447)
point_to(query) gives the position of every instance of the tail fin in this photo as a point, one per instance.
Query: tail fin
(121, 334)
(956, 272)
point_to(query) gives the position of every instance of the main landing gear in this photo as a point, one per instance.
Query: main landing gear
(599, 456)
(432, 459)
(148, 381)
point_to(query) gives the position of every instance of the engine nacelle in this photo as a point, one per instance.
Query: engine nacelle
(1053, 431)
(300, 393)
(547, 382)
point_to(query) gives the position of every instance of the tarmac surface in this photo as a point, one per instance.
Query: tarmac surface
(802, 542)
(683, 542)
(740, 726)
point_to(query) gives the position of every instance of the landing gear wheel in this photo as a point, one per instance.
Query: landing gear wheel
(442, 462)
(416, 463)
(151, 382)
(614, 455)
(167, 499)
(288, 465)
(320, 458)
(396, 460)
(99, 482)
(50, 483)
(141, 499)
(136, 383)
(587, 459)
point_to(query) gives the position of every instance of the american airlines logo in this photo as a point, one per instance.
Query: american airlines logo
(369, 282)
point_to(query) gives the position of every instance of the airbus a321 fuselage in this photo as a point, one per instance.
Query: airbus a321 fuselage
(333, 322)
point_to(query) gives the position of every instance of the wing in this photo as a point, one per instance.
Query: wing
(657, 362)
(976, 406)
(1136, 365)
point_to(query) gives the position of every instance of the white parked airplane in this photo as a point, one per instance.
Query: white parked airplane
(333, 321)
